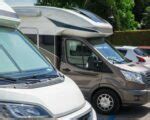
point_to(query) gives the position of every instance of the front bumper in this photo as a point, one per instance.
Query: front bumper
(136, 96)
(86, 110)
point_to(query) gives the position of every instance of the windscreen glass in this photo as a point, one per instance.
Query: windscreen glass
(17, 54)
(6, 64)
(109, 52)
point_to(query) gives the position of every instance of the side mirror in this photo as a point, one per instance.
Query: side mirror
(99, 64)
(94, 64)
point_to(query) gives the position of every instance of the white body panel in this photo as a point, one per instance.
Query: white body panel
(54, 21)
(60, 99)
(131, 55)
(80, 113)
(5, 7)
(8, 17)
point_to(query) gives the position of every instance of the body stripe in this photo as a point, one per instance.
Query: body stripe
(60, 24)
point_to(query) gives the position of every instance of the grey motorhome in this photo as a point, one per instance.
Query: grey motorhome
(78, 39)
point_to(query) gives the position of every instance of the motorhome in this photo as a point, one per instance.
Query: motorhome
(30, 86)
(76, 39)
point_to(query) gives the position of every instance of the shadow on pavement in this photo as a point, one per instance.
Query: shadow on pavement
(129, 113)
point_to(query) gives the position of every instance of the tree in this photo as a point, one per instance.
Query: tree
(120, 10)
(60, 3)
(139, 8)
(146, 18)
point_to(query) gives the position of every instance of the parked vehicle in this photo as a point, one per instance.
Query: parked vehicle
(145, 49)
(78, 40)
(135, 54)
(30, 86)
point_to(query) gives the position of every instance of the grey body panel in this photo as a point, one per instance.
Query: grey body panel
(55, 22)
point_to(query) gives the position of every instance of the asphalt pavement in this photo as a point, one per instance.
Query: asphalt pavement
(130, 113)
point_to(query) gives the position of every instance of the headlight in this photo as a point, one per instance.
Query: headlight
(133, 77)
(24, 111)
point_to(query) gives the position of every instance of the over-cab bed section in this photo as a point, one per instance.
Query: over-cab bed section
(8, 17)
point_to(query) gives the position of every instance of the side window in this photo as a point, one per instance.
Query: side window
(74, 54)
(81, 56)
(46, 41)
(124, 52)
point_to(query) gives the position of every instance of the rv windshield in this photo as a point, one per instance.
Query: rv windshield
(109, 52)
(18, 55)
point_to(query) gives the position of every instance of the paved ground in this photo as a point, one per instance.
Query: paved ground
(130, 113)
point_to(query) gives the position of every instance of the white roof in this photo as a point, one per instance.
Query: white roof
(21, 2)
(8, 17)
(126, 47)
(58, 21)
(4, 6)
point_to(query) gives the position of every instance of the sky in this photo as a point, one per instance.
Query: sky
(20, 2)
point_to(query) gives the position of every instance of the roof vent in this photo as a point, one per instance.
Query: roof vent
(28, 12)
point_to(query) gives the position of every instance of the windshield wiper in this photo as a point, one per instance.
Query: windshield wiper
(42, 76)
(8, 78)
(38, 77)
(115, 61)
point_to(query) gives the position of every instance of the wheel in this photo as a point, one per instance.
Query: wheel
(106, 101)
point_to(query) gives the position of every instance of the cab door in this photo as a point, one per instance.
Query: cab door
(81, 64)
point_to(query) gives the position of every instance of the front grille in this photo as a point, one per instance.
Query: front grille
(147, 78)
(85, 117)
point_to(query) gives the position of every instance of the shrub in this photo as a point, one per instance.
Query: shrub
(134, 38)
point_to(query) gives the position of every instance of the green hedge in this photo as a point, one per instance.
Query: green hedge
(134, 38)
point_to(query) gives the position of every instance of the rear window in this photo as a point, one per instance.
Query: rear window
(146, 50)
(140, 52)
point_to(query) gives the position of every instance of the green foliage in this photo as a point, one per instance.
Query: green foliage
(60, 3)
(141, 14)
(146, 18)
(122, 12)
(139, 8)
(119, 10)
(134, 38)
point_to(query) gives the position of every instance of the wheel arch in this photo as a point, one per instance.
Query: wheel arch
(106, 87)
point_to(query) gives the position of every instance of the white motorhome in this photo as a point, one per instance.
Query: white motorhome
(76, 39)
(30, 86)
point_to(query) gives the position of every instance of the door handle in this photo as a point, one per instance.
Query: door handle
(66, 69)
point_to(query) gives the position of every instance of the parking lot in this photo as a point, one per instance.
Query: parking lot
(130, 113)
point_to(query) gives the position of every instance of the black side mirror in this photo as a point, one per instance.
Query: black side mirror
(99, 65)
(94, 64)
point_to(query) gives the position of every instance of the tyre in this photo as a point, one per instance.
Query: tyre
(106, 101)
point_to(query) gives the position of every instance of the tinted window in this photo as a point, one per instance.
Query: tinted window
(124, 52)
(140, 52)
(146, 50)
(90, 15)
(46, 41)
